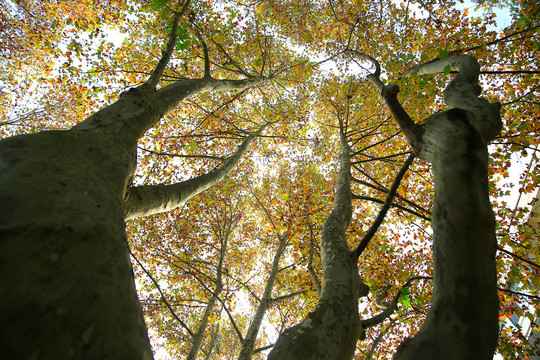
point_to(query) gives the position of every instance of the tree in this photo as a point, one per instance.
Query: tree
(72, 252)
(65, 193)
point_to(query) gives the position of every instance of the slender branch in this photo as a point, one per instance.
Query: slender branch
(387, 203)
(389, 93)
(519, 293)
(377, 186)
(262, 348)
(380, 158)
(162, 295)
(507, 72)
(286, 297)
(159, 153)
(377, 340)
(461, 51)
(375, 144)
(198, 338)
(379, 318)
(518, 257)
(397, 206)
(238, 333)
(251, 335)
(162, 64)
(207, 74)
(521, 97)
(374, 77)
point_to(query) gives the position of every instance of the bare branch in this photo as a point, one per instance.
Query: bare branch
(397, 206)
(377, 319)
(205, 53)
(518, 257)
(387, 203)
(519, 293)
(162, 295)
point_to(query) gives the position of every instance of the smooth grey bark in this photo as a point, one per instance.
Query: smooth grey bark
(462, 322)
(332, 329)
(153, 199)
(66, 280)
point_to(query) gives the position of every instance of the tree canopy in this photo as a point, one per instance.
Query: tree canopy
(252, 241)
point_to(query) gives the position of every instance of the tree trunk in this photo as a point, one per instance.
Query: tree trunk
(331, 331)
(251, 335)
(67, 284)
(462, 322)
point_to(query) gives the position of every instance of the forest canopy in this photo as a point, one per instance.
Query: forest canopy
(253, 240)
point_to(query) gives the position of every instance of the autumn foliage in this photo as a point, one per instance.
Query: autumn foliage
(60, 61)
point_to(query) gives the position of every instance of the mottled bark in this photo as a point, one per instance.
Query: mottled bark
(462, 322)
(332, 329)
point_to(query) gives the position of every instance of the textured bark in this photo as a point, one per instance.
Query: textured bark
(462, 322)
(67, 284)
(332, 329)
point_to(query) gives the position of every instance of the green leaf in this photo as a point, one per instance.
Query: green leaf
(182, 33)
(182, 45)
(406, 291)
(157, 4)
(404, 299)
(258, 62)
(447, 69)
(443, 54)
(164, 14)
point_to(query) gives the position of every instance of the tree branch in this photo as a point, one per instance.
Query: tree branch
(377, 319)
(397, 206)
(162, 295)
(389, 93)
(519, 293)
(162, 64)
(518, 257)
(152, 199)
(387, 203)
(251, 335)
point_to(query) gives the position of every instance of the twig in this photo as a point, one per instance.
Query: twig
(162, 295)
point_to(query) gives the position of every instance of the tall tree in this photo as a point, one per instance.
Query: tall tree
(67, 280)
(66, 193)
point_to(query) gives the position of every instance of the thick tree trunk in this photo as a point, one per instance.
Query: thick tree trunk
(332, 329)
(462, 322)
(67, 285)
